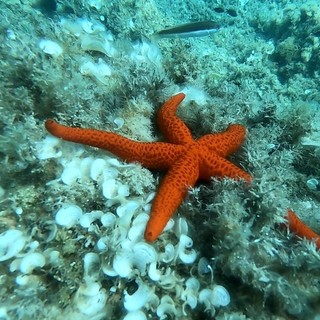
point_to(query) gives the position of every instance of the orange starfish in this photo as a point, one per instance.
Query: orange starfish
(185, 159)
(301, 229)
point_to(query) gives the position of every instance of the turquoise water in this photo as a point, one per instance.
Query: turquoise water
(72, 217)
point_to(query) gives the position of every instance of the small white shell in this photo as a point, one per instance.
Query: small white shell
(141, 218)
(11, 243)
(69, 215)
(312, 184)
(31, 261)
(50, 47)
(135, 233)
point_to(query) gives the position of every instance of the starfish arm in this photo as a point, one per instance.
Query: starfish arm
(172, 127)
(226, 142)
(172, 191)
(153, 155)
(212, 165)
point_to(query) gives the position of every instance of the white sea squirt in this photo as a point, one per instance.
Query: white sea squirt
(218, 296)
(11, 243)
(97, 168)
(31, 261)
(135, 232)
(90, 298)
(138, 258)
(169, 253)
(50, 47)
(108, 219)
(184, 251)
(140, 298)
(135, 315)
(190, 294)
(68, 216)
(71, 172)
(167, 307)
(87, 219)
(48, 148)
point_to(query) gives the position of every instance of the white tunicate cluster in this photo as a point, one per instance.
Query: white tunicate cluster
(118, 249)
(136, 258)
(90, 298)
(190, 294)
(217, 296)
(25, 256)
(167, 309)
(92, 35)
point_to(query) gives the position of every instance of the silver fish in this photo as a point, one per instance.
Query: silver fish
(193, 29)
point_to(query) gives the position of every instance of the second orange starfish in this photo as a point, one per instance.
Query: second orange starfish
(185, 159)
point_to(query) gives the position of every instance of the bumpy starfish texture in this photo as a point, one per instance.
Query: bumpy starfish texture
(185, 159)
